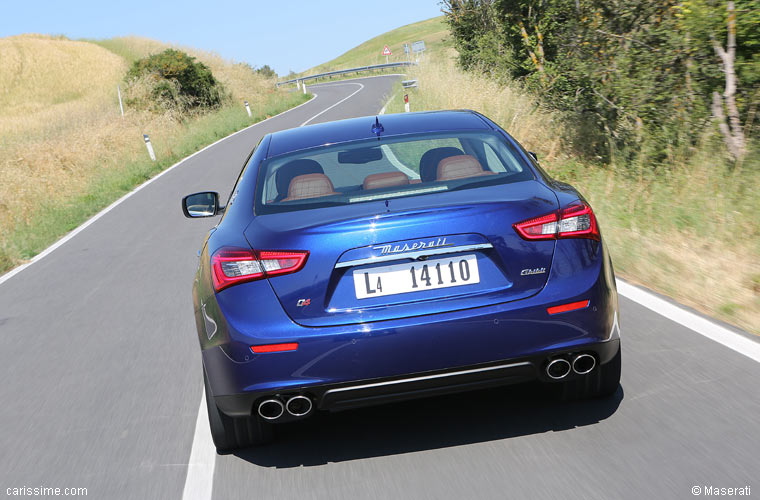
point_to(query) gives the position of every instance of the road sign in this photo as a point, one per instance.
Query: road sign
(418, 46)
(386, 51)
(406, 48)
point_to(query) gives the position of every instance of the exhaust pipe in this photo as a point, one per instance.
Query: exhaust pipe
(583, 364)
(298, 406)
(558, 369)
(271, 409)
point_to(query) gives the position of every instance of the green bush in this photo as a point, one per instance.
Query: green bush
(173, 81)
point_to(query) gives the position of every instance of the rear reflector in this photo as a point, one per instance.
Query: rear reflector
(231, 266)
(290, 346)
(572, 306)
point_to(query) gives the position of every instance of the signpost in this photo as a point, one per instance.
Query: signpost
(406, 51)
(418, 48)
(386, 53)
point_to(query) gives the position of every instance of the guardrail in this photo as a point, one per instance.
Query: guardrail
(344, 71)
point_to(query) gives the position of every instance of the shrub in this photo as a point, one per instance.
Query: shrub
(173, 81)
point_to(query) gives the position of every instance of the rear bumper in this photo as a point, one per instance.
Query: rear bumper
(342, 396)
(520, 335)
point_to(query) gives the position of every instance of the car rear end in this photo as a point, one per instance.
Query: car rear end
(402, 266)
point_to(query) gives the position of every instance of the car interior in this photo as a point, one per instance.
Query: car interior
(359, 169)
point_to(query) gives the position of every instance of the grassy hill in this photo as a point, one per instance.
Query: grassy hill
(44, 78)
(66, 151)
(432, 31)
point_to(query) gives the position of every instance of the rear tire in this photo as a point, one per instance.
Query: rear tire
(231, 433)
(601, 383)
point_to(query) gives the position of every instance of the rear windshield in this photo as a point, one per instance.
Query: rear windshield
(372, 170)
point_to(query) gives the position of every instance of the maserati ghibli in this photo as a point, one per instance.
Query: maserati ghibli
(378, 259)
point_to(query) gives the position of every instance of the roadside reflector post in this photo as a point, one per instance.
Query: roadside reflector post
(150, 147)
(247, 108)
(298, 83)
(304, 86)
(121, 106)
(406, 103)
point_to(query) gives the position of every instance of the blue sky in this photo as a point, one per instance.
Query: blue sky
(286, 34)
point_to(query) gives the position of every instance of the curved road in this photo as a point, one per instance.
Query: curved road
(102, 383)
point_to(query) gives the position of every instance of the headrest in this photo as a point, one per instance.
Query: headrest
(309, 186)
(459, 167)
(290, 170)
(429, 161)
(384, 180)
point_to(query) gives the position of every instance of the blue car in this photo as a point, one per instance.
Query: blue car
(379, 259)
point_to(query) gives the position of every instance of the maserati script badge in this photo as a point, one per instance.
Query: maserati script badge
(406, 247)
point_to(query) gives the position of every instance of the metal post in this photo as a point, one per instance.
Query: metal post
(247, 108)
(150, 147)
(121, 106)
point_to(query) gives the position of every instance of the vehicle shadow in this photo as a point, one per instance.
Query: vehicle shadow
(427, 424)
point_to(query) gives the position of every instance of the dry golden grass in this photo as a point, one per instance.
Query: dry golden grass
(442, 85)
(60, 124)
(45, 79)
(692, 232)
(58, 110)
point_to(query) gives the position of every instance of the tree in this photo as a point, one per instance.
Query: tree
(732, 132)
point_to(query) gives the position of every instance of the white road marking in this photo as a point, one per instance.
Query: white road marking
(694, 322)
(199, 483)
(396, 163)
(382, 110)
(342, 100)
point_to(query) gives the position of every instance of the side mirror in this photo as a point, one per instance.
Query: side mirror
(205, 204)
(534, 155)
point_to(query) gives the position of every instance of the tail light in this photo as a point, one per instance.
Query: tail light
(231, 266)
(574, 221)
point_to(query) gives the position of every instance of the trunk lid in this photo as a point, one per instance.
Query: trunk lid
(380, 242)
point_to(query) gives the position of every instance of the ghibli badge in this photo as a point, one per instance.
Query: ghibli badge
(528, 272)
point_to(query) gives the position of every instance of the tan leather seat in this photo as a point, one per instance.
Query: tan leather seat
(384, 180)
(460, 167)
(290, 171)
(309, 186)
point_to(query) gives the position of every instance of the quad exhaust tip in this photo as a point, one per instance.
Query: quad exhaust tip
(298, 406)
(558, 369)
(271, 409)
(583, 364)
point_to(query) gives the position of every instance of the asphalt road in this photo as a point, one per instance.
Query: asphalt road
(101, 383)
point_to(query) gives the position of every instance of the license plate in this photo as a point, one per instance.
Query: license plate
(416, 276)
